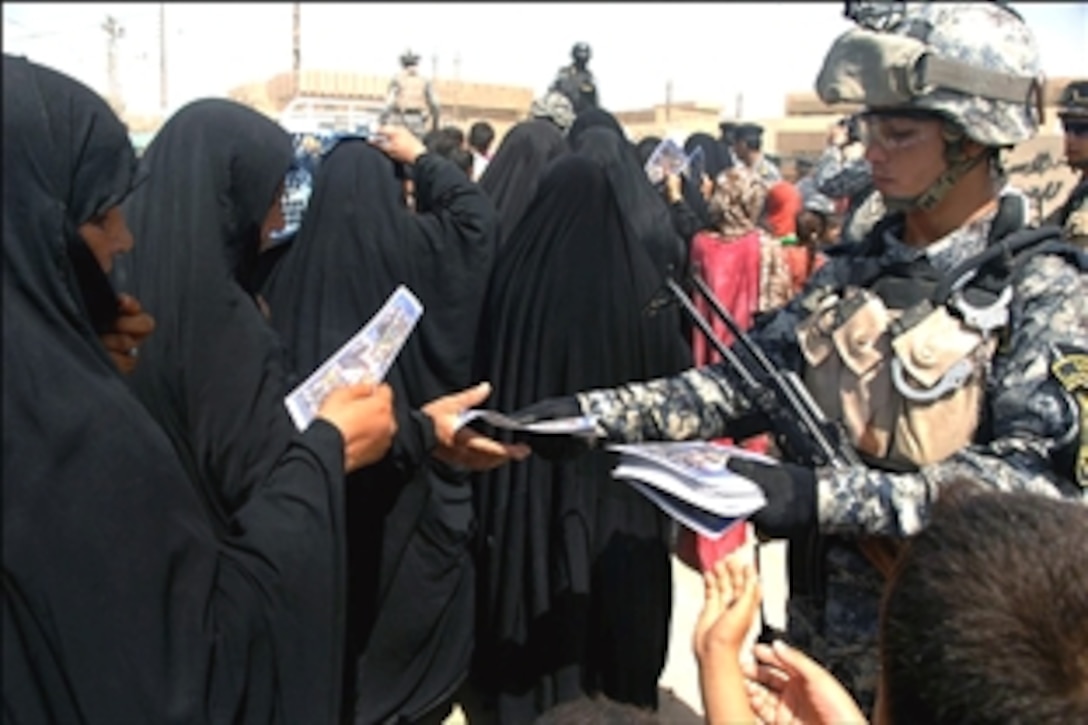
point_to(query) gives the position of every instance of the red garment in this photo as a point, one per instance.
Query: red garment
(781, 208)
(730, 267)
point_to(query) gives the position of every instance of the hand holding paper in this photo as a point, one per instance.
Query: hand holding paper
(462, 446)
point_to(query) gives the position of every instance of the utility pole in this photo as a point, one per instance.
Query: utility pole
(740, 106)
(163, 95)
(457, 80)
(114, 32)
(668, 100)
(296, 45)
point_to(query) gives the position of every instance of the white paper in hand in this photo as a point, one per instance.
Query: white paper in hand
(582, 425)
(368, 355)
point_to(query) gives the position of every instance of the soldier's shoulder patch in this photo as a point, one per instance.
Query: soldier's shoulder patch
(1070, 369)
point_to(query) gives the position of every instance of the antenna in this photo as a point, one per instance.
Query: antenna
(114, 32)
(163, 95)
(296, 45)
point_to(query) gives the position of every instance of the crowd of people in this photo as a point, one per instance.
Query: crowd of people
(177, 550)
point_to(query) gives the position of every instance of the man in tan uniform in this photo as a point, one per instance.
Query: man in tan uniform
(410, 101)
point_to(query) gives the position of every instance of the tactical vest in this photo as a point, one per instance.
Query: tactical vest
(901, 354)
(411, 93)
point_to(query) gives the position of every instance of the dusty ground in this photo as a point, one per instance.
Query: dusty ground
(680, 700)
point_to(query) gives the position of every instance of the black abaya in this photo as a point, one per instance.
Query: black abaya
(121, 603)
(411, 576)
(575, 582)
(511, 178)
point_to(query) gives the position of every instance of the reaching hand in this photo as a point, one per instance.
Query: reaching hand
(364, 415)
(131, 328)
(731, 594)
(399, 144)
(786, 686)
(729, 606)
(462, 446)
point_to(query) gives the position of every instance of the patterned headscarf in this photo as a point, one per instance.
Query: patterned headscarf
(737, 201)
(554, 107)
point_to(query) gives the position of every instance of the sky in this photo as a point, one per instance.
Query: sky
(710, 52)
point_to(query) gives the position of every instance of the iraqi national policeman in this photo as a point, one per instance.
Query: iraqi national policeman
(575, 81)
(411, 100)
(1072, 216)
(950, 342)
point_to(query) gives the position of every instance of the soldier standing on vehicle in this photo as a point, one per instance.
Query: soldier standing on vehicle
(575, 81)
(951, 342)
(1072, 216)
(411, 100)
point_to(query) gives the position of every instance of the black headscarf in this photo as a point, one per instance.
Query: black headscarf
(411, 598)
(120, 602)
(594, 117)
(644, 209)
(510, 179)
(212, 374)
(715, 158)
(645, 148)
(358, 242)
(574, 567)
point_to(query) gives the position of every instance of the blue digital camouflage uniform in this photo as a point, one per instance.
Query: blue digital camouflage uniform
(766, 171)
(1032, 417)
(839, 178)
(298, 184)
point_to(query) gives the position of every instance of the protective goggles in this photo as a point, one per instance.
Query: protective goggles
(884, 70)
(900, 131)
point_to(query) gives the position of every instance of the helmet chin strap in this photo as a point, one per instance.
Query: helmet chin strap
(958, 165)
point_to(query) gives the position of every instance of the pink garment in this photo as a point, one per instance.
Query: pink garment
(731, 269)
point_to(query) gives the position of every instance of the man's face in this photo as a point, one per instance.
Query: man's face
(1076, 141)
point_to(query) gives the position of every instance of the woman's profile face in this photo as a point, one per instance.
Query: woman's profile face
(107, 235)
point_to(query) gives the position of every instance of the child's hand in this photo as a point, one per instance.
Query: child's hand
(731, 596)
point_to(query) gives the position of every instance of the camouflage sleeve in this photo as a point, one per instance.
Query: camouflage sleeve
(431, 98)
(700, 403)
(836, 177)
(1032, 418)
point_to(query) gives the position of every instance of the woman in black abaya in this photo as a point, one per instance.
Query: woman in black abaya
(410, 571)
(122, 601)
(575, 579)
(212, 374)
(511, 178)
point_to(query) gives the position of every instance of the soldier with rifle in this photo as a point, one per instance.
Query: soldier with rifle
(411, 101)
(575, 81)
(951, 342)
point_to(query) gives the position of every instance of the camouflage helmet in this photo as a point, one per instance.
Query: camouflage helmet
(975, 64)
(408, 58)
(1074, 101)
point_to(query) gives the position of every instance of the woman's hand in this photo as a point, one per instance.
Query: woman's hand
(363, 414)
(130, 330)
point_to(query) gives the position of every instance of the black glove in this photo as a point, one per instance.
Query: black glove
(553, 447)
(790, 492)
